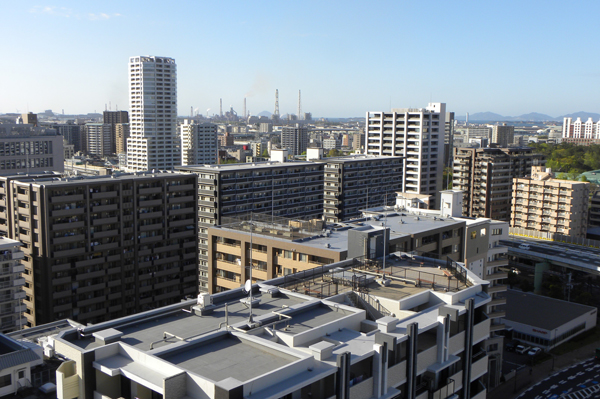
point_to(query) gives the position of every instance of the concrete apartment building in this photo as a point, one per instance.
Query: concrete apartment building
(121, 136)
(503, 135)
(11, 286)
(485, 175)
(484, 256)
(72, 134)
(99, 139)
(285, 246)
(117, 119)
(418, 135)
(286, 189)
(547, 205)
(420, 342)
(358, 182)
(100, 248)
(594, 211)
(25, 149)
(199, 145)
(153, 114)
(294, 138)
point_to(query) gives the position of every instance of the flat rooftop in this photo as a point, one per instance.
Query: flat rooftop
(228, 357)
(143, 333)
(46, 180)
(336, 236)
(541, 311)
(243, 166)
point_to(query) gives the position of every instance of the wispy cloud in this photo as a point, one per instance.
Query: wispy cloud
(51, 10)
(68, 13)
(103, 16)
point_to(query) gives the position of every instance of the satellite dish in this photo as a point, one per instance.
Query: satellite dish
(248, 286)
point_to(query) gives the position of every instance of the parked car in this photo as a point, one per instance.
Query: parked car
(522, 349)
(511, 346)
(534, 351)
(525, 246)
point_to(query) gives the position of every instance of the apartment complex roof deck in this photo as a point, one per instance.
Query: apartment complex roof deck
(295, 342)
(241, 166)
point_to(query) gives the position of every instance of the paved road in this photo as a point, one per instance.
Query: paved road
(578, 381)
(553, 372)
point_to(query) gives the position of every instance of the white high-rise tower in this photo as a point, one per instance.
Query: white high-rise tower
(152, 114)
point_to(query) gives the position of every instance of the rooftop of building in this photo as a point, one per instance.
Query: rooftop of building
(358, 158)
(8, 244)
(335, 237)
(292, 321)
(242, 166)
(57, 179)
(541, 311)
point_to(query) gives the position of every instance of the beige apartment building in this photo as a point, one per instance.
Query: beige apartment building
(544, 204)
(288, 246)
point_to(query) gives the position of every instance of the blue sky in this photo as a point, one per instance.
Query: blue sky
(347, 57)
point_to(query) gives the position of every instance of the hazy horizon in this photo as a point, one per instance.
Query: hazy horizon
(507, 58)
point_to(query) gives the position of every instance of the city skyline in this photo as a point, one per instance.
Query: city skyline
(474, 57)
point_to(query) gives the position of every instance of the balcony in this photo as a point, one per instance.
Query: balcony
(68, 238)
(105, 194)
(67, 212)
(496, 276)
(151, 190)
(66, 198)
(181, 187)
(229, 284)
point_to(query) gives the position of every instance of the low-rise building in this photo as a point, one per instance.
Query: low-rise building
(546, 322)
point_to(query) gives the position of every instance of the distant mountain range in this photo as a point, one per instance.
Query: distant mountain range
(531, 117)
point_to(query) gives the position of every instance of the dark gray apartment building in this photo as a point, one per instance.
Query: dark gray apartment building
(288, 189)
(96, 249)
(485, 175)
(358, 182)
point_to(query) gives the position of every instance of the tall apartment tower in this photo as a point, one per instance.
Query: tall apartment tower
(546, 205)
(153, 114)
(96, 249)
(294, 138)
(417, 134)
(199, 144)
(503, 135)
(99, 138)
(485, 175)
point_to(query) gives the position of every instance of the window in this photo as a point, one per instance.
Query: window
(5, 381)
(473, 234)
(482, 232)
(497, 232)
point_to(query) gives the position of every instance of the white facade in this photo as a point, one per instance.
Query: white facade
(581, 130)
(198, 143)
(416, 134)
(153, 114)
(99, 138)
